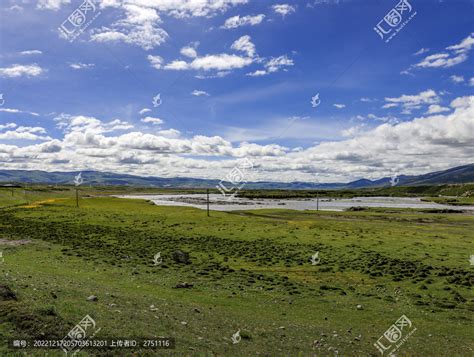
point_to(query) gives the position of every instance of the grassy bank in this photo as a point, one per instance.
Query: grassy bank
(250, 271)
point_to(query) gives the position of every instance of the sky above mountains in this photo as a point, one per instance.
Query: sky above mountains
(305, 90)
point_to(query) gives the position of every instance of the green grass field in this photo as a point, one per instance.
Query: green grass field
(251, 271)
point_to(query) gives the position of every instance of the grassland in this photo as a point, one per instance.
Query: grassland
(250, 271)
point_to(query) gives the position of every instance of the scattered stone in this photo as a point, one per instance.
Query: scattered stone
(360, 307)
(184, 323)
(197, 310)
(153, 308)
(358, 338)
(184, 285)
(181, 257)
(112, 305)
(92, 298)
(6, 293)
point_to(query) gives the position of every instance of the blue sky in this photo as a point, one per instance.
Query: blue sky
(236, 79)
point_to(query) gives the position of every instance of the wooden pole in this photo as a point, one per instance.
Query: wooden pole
(77, 198)
(317, 200)
(207, 192)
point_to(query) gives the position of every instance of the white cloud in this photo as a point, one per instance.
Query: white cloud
(18, 70)
(189, 51)
(24, 133)
(80, 65)
(445, 138)
(8, 126)
(156, 61)
(421, 51)
(257, 73)
(145, 110)
(52, 4)
(283, 9)
(237, 21)
(219, 62)
(456, 54)
(471, 82)
(339, 106)
(31, 52)
(456, 79)
(411, 102)
(435, 108)
(244, 44)
(366, 100)
(151, 120)
(17, 111)
(199, 93)
(275, 64)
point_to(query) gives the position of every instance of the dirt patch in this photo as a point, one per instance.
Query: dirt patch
(14, 242)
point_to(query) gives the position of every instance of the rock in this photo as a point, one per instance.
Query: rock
(184, 285)
(6, 293)
(359, 307)
(184, 323)
(181, 257)
(197, 310)
(153, 308)
(357, 338)
(92, 298)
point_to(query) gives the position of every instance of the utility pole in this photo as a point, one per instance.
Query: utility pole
(207, 193)
(317, 200)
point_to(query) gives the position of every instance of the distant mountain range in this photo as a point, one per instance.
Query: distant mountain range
(460, 174)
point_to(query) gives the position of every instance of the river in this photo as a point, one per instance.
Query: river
(220, 203)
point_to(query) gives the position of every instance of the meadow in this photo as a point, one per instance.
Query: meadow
(247, 270)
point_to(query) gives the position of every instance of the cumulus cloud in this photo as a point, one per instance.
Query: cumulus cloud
(435, 108)
(238, 21)
(189, 51)
(455, 54)
(244, 44)
(24, 133)
(456, 79)
(411, 102)
(52, 4)
(155, 61)
(151, 120)
(283, 9)
(446, 138)
(18, 70)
